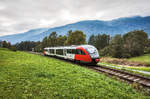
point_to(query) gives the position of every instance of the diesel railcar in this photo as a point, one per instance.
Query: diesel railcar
(78, 53)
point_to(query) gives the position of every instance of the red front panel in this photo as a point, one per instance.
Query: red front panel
(84, 58)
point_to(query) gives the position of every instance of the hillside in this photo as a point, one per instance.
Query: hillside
(89, 27)
(26, 75)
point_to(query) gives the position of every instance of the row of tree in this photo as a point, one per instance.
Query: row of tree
(99, 41)
(134, 43)
(5, 44)
(27, 45)
(72, 38)
(8, 45)
(131, 44)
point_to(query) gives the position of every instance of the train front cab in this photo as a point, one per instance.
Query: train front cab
(93, 53)
(89, 55)
(82, 55)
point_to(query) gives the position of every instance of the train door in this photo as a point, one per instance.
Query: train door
(70, 54)
(47, 51)
(65, 53)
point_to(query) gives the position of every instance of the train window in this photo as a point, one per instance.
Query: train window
(83, 53)
(80, 52)
(59, 51)
(52, 51)
(69, 51)
(74, 51)
(49, 50)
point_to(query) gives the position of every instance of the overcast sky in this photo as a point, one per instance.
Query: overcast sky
(17, 16)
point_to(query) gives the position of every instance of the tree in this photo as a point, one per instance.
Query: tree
(116, 46)
(135, 42)
(92, 40)
(102, 41)
(26, 45)
(5, 44)
(52, 39)
(38, 48)
(105, 51)
(148, 44)
(75, 38)
(44, 42)
(61, 40)
(147, 48)
(99, 41)
(1, 45)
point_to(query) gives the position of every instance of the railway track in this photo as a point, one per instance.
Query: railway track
(130, 77)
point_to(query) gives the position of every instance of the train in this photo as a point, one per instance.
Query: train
(87, 54)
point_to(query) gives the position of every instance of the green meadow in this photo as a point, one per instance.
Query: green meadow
(24, 75)
(144, 59)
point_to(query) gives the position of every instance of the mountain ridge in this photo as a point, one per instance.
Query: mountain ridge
(89, 27)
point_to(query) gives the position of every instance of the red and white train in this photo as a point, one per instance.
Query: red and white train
(77, 53)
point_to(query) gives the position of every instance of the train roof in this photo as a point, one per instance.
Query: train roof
(69, 47)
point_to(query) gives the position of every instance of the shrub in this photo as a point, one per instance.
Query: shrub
(105, 51)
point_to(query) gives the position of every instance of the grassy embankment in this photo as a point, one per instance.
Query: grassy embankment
(144, 59)
(24, 75)
(136, 63)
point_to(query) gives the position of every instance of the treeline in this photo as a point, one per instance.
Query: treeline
(23, 46)
(134, 43)
(72, 38)
(27, 45)
(8, 45)
(131, 44)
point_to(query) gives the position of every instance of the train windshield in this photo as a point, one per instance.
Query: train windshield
(92, 51)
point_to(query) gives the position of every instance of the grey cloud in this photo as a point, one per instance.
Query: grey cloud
(18, 16)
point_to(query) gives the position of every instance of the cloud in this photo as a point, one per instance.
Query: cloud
(18, 16)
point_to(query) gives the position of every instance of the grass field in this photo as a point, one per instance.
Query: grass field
(144, 59)
(24, 75)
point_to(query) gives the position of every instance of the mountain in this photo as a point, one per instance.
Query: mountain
(89, 27)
